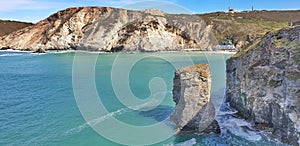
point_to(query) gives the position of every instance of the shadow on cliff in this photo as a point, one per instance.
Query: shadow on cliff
(160, 113)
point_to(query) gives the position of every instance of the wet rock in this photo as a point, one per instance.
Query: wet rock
(39, 50)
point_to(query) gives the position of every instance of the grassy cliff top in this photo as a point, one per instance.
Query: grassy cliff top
(244, 28)
(288, 37)
(7, 26)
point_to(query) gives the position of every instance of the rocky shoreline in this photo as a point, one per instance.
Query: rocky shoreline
(65, 51)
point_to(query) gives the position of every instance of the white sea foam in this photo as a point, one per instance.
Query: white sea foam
(96, 121)
(145, 106)
(236, 126)
(77, 51)
(110, 115)
(11, 50)
(190, 142)
(11, 54)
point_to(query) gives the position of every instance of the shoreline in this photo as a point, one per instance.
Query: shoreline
(98, 52)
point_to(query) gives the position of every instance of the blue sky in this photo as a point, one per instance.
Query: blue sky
(35, 10)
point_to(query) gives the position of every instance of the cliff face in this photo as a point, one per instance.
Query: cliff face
(263, 84)
(191, 93)
(110, 29)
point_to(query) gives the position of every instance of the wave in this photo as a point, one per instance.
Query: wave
(190, 142)
(239, 127)
(11, 50)
(37, 53)
(11, 54)
(111, 115)
(96, 121)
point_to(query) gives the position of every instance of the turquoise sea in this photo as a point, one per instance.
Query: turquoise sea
(38, 105)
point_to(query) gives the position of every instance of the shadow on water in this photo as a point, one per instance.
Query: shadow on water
(160, 113)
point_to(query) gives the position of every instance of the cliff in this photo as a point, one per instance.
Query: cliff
(112, 29)
(191, 93)
(240, 29)
(263, 84)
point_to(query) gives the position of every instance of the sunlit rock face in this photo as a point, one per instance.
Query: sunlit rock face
(112, 29)
(263, 84)
(191, 93)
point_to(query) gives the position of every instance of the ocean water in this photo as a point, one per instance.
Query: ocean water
(38, 105)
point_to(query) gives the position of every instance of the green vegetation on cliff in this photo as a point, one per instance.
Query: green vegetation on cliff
(244, 28)
(275, 39)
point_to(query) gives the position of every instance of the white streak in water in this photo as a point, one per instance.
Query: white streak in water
(11, 54)
(96, 121)
(110, 115)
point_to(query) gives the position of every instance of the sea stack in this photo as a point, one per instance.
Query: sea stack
(263, 84)
(191, 93)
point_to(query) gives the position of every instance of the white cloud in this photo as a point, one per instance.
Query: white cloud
(12, 5)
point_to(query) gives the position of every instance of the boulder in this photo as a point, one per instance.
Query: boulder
(39, 50)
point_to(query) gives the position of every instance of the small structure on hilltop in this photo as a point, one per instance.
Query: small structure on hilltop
(231, 10)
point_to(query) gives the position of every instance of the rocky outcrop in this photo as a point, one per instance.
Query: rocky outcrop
(263, 84)
(112, 29)
(39, 51)
(191, 93)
